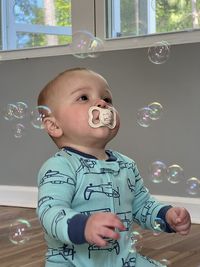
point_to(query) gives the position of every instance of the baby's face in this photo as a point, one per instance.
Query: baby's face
(79, 92)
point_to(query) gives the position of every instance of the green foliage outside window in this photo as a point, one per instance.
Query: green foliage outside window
(31, 13)
(171, 15)
(177, 15)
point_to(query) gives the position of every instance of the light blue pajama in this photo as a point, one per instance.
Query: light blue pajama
(72, 183)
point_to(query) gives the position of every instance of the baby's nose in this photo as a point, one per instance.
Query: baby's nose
(101, 103)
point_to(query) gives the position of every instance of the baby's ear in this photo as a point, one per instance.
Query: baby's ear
(52, 127)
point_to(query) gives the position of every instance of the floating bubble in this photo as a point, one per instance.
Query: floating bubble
(157, 171)
(37, 116)
(9, 111)
(193, 186)
(19, 231)
(96, 46)
(175, 174)
(21, 110)
(159, 226)
(134, 240)
(82, 42)
(144, 117)
(156, 110)
(19, 130)
(159, 52)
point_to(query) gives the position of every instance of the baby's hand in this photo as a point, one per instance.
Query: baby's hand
(179, 220)
(102, 225)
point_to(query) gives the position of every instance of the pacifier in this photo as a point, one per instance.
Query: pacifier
(105, 117)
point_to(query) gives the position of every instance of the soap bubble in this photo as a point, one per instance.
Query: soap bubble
(143, 117)
(81, 44)
(193, 186)
(134, 239)
(21, 110)
(156, 110)
(157, 171)
(9, 111)
(159, 226)
(37, 116)
(159, 52)
(19, 130)
(136, 242)
(19, 231)
(95, 47)
(175, 174)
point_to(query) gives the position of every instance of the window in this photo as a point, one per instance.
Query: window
(36, 28)
(140, 23)
(35, 23)
(144, 17)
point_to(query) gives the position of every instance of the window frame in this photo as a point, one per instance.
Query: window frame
(93, 19)
(119, 43)
(85, 21)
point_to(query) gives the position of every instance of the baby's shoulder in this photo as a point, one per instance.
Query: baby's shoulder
(122, 157)
(59, 160)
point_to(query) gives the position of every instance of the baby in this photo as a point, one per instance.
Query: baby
(89, 195)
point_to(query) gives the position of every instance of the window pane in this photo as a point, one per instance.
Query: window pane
(34, 23)
(143, 17)
(177, 15)
(30, 40)
(43, 12)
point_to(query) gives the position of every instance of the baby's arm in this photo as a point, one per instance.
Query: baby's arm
(56, 187)
(146, 208)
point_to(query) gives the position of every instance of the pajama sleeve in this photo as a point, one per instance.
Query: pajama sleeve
(56, 188)
(145, 206)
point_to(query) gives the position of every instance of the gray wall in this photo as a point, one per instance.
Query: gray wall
(135, 82)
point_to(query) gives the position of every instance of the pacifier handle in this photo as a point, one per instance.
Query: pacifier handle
(107, 117)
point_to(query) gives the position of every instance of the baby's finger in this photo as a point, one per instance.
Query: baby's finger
(109, 233)
(99, 241)
(184, 232)
(115, 222)
(183, 214)
(183, 228)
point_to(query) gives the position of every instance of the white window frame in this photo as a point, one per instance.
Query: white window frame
(114, 24)
(10, 28)
(80, 21)
(173, 38)
(90, 15)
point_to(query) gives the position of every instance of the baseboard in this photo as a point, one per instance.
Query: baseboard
(18, 196)
(25, 196)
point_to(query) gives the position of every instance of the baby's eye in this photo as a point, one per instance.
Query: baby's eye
(108, 100)
(83, 98)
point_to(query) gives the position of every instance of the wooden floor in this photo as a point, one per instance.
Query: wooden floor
(177, 250)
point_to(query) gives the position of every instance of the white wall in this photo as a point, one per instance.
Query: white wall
(135, 82)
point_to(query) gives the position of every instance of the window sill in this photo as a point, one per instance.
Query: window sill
(192, 36)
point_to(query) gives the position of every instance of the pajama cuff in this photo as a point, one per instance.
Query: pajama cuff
(76, 229)
(161, 214)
